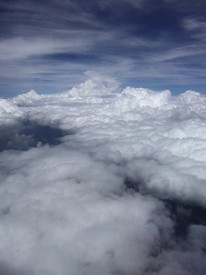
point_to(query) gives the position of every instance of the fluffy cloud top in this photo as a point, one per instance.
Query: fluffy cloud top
(123, 192)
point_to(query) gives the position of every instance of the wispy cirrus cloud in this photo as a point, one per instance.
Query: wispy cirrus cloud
(128, 39)
(197, 28)
(21, 48)
(186, 51)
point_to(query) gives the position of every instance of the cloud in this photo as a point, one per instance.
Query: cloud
(88, 225)
(91, 87)
(192, 24)
(196, 27)
(181, 52)
(122, 191)
(20, 48)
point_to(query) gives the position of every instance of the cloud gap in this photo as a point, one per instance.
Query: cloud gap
(133, 185)
(183, 213)
(27, 134)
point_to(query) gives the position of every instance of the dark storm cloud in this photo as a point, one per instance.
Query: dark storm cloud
(142, 41)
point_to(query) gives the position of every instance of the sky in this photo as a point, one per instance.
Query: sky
(51, 45)
(95, 182)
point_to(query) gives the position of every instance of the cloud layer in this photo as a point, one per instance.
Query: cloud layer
(122, 193)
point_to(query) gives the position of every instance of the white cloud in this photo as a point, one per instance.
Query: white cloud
(95, 86)
(180, 52)
(196, 27)
(22, 48)
(193, 25)
(98, 203)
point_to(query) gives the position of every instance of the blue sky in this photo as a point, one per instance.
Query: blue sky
(50, 45)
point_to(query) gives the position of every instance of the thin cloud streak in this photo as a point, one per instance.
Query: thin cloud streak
(186, 51)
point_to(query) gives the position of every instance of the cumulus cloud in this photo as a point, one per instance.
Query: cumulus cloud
(96, 85)
(121, 192)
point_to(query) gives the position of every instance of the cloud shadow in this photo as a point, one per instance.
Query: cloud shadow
(27, 134)
(184, 213)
